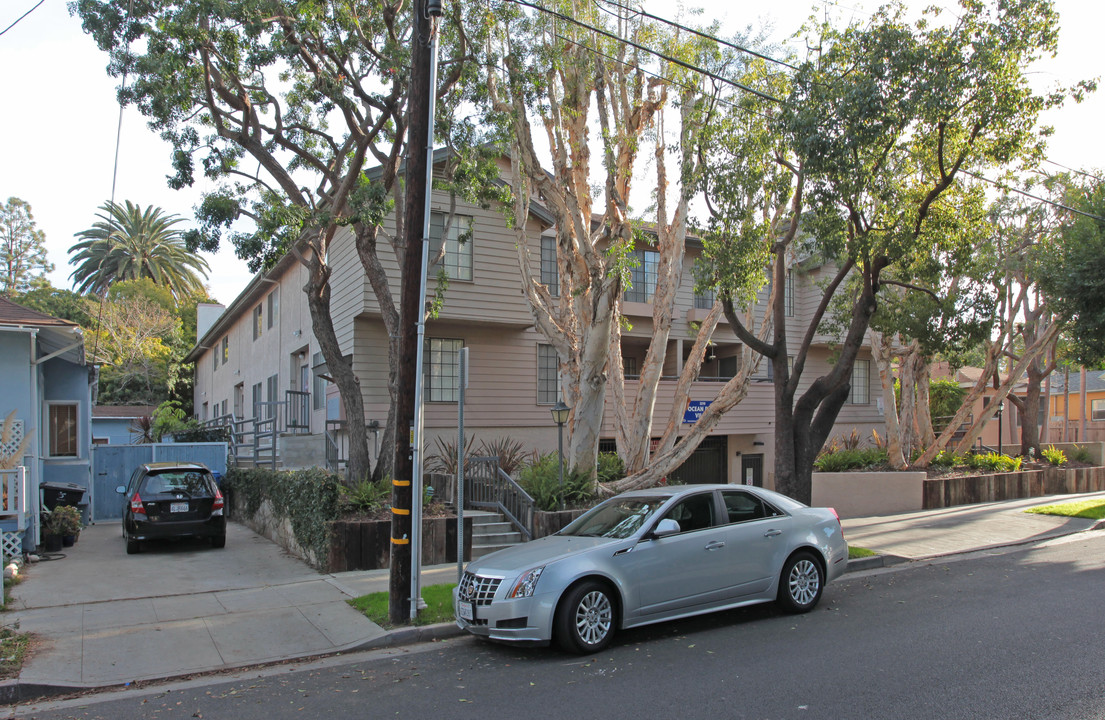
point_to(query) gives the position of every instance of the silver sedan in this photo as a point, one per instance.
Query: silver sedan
(653, 555)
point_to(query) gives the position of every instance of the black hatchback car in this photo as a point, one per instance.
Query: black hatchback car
(171, 500)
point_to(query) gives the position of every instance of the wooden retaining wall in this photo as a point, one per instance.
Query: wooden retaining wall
(946, 492)
(546, 523)
(366, 544)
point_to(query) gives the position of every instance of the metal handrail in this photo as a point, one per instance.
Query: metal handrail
(334, 455)
(298, 411)
(486, 485)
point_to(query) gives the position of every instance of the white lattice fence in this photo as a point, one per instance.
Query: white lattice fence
(9, 445)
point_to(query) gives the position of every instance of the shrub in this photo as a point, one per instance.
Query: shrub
(541, 479)
(842, 460)
(1054, 455)
(511, 453)
(610, 467)
(444, 461)
(994, 462)
(947, 458)
(1081, 454)
(366, 496)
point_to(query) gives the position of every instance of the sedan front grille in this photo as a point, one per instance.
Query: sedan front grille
(478, 589)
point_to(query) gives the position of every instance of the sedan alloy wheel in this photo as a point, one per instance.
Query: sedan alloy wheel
(801, 583)
(586, 622)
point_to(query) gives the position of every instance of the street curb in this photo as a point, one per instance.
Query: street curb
(410, 636)
(873, 562)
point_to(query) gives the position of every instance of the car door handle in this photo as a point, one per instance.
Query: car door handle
(773, 533)
(715, 545)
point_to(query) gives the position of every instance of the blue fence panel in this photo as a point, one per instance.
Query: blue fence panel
(112, 466)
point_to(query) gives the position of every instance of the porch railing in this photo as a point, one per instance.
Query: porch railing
(337, 454)
(487, 486)
(297, 415)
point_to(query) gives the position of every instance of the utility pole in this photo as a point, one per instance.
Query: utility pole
(411, 308)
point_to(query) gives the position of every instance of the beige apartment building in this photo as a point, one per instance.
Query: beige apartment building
(257, 357)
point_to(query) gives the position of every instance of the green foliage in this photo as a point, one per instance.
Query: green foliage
(1054, 455)
(170, 418)
(64, 304)
(366, 496)
(994, 462)
(310, 499)
(14, 646)
(445, 459)
(511, 453)
(854, 551)
(1080, 453)
(541, 479)
(62, 520)
(850, 459)
(23, 261)
(945, 399)
(947, 458)
(610, 467)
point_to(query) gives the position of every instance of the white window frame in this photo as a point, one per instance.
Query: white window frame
(458, 258)
(436, 370)
(861, 391)
(548, 388)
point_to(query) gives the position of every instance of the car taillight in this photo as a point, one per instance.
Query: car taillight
(835, 514)
(217, 506)
(136, 505)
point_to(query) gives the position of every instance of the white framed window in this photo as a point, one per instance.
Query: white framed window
(788, 295)
(318, 384)
(64, 430)
(861, 382)
(644, 277)
(548, 375)
(550, 271)
(1097, 409)
(226, 350)
(629, 367)
(456, 258)
(258, 321)
(441, 370)
(257, 399)
(271, 389)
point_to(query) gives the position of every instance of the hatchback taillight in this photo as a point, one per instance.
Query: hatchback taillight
(217, 505)
(136, 505)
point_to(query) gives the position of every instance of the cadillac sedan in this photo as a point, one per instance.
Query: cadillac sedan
(652, 555)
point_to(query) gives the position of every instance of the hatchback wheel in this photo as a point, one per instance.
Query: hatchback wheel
(218, 541)
(132, 546)
(801, 583)
(585, 619)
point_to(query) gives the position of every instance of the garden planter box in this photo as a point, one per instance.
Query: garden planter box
(366, 544)
(547, 523)
(946, 492)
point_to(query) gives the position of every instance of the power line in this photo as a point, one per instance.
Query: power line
(657, 53)
(701, 34)
(1007, 188)
(1074, 170)
(9, 27)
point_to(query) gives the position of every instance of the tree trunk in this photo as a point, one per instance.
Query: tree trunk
(909, 399)
(924, 404)
(883, 355)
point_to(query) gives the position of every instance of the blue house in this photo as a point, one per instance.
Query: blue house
(46, 381)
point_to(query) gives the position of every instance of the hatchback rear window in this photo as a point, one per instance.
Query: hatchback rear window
(191, 482)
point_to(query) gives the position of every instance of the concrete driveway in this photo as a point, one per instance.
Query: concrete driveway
(103, 617)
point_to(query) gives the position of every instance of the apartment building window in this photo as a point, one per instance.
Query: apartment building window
(274, 305)
(703, 299)
(226, 350)
(788, 295)
(861, 382)
(318, 384)
(550, 272)
(629, 367)
(257, 398)
(441, 371)
(1097, 409)
(224, 407)
(548, 375)
(727, 366)
(258, 321)
(456, 258)
(214, 360)
(62, 420)
(271, 390)
(644, 276)
(203, 414)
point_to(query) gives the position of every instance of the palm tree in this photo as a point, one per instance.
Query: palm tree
(129, 243)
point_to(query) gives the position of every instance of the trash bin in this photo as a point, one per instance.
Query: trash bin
(61, 493)
(218, 479)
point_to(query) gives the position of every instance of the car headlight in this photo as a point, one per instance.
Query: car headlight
(526, 584)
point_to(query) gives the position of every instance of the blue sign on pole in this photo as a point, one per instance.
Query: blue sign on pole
(694, 410)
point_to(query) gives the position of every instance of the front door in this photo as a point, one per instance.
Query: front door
(752, 470)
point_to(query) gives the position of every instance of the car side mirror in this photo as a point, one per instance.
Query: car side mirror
(665, 527)
(121, 489)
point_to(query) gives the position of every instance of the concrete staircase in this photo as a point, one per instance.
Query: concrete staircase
(490, 532)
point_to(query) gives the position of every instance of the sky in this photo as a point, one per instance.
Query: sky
(59, 116)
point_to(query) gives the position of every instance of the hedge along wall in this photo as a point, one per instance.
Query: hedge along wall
(293, 508)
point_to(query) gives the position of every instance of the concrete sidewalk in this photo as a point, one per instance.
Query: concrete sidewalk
(105, 619)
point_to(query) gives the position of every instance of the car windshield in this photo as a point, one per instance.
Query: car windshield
(177, 481)
(616, 518)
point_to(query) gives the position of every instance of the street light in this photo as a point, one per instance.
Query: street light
(560, 413)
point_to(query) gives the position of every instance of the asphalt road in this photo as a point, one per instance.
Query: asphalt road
(1011, 635)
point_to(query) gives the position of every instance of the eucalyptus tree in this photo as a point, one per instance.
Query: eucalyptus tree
(129, 243)
(281, 105)
(881, 126)
(23, 261)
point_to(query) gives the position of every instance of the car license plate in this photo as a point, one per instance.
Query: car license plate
(178, 507)
(465, 611)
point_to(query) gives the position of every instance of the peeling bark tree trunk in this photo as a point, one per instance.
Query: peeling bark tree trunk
(883, 354)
